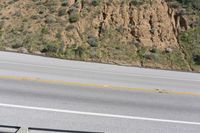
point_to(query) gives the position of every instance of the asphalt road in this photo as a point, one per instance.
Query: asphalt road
(52, 93)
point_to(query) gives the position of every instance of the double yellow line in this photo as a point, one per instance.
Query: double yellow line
(61, 82)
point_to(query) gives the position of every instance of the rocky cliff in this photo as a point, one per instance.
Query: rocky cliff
(135, 32)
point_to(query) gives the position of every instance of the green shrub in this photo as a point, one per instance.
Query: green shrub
(45, 30)
(58, 35)
(74, 17)
(137, 2)
(196, 59)
(17, 45)
(64, 2)
(95, 2)
(153, 50)
(93, 41)
(79, 51)
(50, 47)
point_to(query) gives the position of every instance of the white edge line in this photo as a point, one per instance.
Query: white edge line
(98, 114)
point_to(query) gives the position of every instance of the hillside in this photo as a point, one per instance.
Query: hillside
(148, 33)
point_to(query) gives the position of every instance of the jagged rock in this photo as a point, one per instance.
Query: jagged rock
(168, 50)
(38, 53)
(23, 50)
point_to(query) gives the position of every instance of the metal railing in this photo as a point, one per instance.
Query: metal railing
(16, 129)
(8, 129)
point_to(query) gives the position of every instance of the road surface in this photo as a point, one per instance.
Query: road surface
(52, 93)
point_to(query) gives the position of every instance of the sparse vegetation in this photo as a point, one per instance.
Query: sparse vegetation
(92, 31)
(190, 41)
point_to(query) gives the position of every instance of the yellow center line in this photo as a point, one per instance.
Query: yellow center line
(61, 82)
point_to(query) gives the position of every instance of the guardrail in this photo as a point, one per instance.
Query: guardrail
(16, 129)
(8, 129)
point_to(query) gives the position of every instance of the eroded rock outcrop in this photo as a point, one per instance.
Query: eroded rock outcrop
(108, 30)
(152, 23)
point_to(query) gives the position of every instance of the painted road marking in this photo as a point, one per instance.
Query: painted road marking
(98, 114)
(61, 82)
(101, 72)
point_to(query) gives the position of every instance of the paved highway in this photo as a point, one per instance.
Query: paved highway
(52, 93)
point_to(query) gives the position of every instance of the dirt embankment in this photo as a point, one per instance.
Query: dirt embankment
(143, 33)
